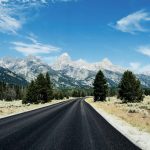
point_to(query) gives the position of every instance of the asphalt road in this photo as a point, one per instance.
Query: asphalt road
(72, 125)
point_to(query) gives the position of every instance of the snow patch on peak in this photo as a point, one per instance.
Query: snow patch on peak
(106, 61)
(65, 60)
(64, 56)
(62, 61)
(33, 58)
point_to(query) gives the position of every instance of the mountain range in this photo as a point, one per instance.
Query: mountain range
(67, 73)
(10, 77)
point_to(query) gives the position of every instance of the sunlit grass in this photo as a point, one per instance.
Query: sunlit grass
(137, 114)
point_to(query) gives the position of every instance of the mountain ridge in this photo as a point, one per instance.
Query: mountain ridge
(68, 73)
(10, 77)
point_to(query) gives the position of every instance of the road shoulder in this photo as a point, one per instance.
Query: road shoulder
(11, 108)
(138, 137)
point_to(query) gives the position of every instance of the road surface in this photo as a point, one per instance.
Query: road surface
(71, 125)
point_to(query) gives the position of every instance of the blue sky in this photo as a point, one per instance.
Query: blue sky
(88, 29)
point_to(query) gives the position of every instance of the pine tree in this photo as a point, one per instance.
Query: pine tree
(61, 96)
(31, 95)
(75, 93)
(83, 94)
(56, 95)
(100, 87)
(49, 87)
(130, 89)
(147, 91)
(41, 87)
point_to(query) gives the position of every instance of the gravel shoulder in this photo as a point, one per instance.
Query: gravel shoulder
(117, 117)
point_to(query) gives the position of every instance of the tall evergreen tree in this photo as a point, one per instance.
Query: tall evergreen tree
(100, 87)
(31, 96)
(41, 87)
(147, 91)
(130, 89)
(75, 93)
(83, 94)
(49, 87)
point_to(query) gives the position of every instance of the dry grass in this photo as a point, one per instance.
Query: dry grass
(13, 107)
(137, 114)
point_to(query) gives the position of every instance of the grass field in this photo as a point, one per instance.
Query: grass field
(13, 107)
(137, 114)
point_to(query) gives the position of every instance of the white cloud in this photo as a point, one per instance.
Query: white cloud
(145, 50)
(135, 65)
(8, 23)
(133, 22)
(34, 48)
(12, 13)
(31, 2)
(32, 37)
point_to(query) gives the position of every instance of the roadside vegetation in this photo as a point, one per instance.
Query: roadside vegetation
(129, 101)
(11, 92)
(40, 90)
(39, 93)
(136, 114)
(128, 90)
(16, 106)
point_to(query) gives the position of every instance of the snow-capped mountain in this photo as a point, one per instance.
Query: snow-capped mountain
(27, 67)
(85, 72)
(82, 70)
(8, 76)
(65, 60)
(31, 66)
(67, 73)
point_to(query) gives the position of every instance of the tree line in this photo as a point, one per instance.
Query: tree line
(128, 90)
(42, 90)
(11, 92)
(39, 90)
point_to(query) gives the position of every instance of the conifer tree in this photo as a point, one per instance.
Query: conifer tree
(41, 87)
(100, 87)
(147, 91)
(75, 93)
(130, 89)
(31, 96)
(49, 87)
(83, 94)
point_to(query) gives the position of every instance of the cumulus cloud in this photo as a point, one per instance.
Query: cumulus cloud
(145, 50)
(34, 47)
(133, 22)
